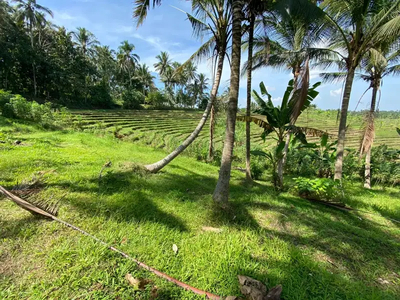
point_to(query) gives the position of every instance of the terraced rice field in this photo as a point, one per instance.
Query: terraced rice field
(167, 128)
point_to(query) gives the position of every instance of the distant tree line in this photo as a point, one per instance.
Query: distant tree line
(45, 62)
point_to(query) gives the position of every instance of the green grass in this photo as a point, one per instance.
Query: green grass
(315, 252)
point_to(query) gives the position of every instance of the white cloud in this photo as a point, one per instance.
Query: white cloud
(335, 93)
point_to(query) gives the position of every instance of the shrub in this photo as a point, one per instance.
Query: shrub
(156, 99)
(318, 188)
(4, 98)
(100, 96)
(385, 165)
(132, 99)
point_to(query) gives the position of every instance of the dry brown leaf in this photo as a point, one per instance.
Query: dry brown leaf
(137, 283)
(251, 288)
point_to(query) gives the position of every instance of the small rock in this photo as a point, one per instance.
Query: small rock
(251, 288)
(175, 248)
(17, 142)
(274, 293)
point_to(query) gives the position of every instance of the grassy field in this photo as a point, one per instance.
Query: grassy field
(315, 252)
(166, 129)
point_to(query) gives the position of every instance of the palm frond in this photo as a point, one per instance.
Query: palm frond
(333, 77)
(141, 8)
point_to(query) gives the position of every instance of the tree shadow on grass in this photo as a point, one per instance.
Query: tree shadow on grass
(355, 244)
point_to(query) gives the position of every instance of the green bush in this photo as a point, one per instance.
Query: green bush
(318, 188)
(18, 107)
(156, 99)
(132, 99)
(385, 165)
(4, 98)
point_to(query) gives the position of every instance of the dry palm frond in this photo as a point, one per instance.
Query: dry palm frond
(257, 119)
(29, 190)
(301, 92)
(368, 133)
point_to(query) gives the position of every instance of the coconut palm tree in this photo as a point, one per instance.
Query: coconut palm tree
(31, 13)
(85, 40)
(163, 63)
(221, 192)
(146, 80)
(209, 17)
(377, 65)
(127, 60)
(356, 27)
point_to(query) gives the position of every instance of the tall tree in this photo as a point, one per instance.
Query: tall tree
(146, 80)
(85, 40)
(221, 192)
(207, 16)
(357, 26)
(378, 64)
(30, 11)
(163, 63)
(127, 60)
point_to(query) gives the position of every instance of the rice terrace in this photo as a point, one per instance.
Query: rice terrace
(204, 149)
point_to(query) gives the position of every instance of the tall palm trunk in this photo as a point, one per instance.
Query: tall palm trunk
(33, 62)
(221, 192)
(249, 73)
(367, 174)
(154, 168)
(212, 129)
(343, 121)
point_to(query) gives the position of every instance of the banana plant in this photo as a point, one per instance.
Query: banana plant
(277, 119)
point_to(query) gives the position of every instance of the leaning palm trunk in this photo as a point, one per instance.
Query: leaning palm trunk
(212, 129)
(221, 192)
(368, 138)
(343, 122)
(249, 73)
(154, 168)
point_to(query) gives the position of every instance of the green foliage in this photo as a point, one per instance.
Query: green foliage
(132, 99)
(385, 165)
(156, 99)
(318, 188)
(4, 98)
(43, 114)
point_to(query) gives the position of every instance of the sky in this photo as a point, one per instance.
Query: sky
(167, 29)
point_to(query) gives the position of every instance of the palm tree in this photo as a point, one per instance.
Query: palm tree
(143, 75)
(85, 40)
(378, 63)
(163, 63)
(211, 16)
(105, 63)
(356, 27)
(221, 192)
(30, 11)
(254, 9)
(293, 30)
(127, 60)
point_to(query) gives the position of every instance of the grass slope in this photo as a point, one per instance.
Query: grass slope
(315, 252)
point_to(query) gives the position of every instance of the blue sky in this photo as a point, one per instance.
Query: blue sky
(166, 29)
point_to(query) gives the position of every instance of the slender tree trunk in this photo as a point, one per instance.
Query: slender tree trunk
(280, 173)
(248, 106)
(33, 63)
(367, 174)
(221, 192)
(343, 123)
(154, 168)
(212, 129)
